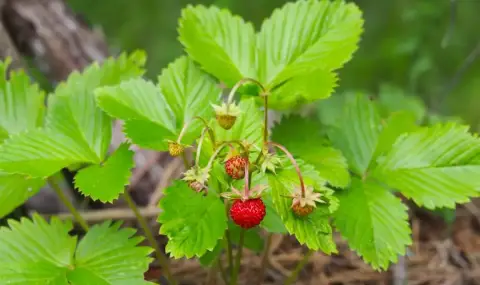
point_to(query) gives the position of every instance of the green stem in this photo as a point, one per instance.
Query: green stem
(185, 160)
(264, 265)
(81, 221)
(265, 122)
(199, 147)
(228, 243)
(294, 162)
(214, 155)
(239, 84)
(186, 125)
(293, 276)
(238, 259)
(162, 259)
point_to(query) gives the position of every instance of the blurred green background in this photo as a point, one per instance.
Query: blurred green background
(425, 48)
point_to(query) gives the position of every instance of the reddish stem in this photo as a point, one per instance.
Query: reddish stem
(294, 162)
(247, 182)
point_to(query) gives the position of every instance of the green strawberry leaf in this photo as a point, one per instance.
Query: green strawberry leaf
(37, 252)
(314, 230)
(374, 222)
(326, 35)
(302, 137)
(357, 132)
(223, 44)
(15, 190)
(106, 182)
(76, 131)
(272, 221)
(153, 113)
(21, 103)
(435, 166)
(192, 222)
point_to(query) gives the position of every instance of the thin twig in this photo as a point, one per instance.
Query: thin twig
(293, 276)
(162, 259)
(94, 216)
(400, 272)
(139, 172)
(168, 173)
(68, 204)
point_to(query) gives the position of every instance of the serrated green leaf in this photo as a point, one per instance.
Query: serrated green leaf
(156, 113)
(302, 137)
(106, 182)
(37, 252)
(326, 34)
(374, 222)
(21, 103)
(15, 190)
(434, 166)
(357, 132)
(76, 131)
(41, 153)
(314, 230)
(222, 43)
(113, 255)
(192, 222)
(330, 110)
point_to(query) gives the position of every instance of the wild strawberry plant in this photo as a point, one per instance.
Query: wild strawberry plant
(297, 178)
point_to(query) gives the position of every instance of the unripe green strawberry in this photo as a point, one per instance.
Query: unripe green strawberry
(235, 166)
(249, 213)
(226, 114)
(175, 148)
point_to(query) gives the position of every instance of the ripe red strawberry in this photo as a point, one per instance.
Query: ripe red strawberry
(249, 213)
(235, 166)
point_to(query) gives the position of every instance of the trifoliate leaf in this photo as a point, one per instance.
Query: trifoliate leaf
(313, 230)
(435, 166)
(326, 34)
(374, 222)
(106, 182)
(393, 99)
(37, 252)
(76, 131)
(357, 132)
(222, 43)
(15, 190)
(192, 222)
(153, 113)
(21, 103)
(302, 137)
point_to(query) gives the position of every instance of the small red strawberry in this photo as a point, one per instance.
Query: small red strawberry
(235, 166)
(226, 114)
(247, 213)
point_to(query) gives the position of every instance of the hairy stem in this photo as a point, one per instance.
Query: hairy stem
(162, 259)
(293, 276)
(186, 125)
(239, 84)
(265, 121)
(264, 264)
(81, 221)
(294, 162)
(215, 154)
(199, 147)
(238, 259)
(246, 190)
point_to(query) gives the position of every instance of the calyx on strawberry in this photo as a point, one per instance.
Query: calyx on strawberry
(247, 211)
(235, 165)
(226, 114)
(270, 162)
(197, 178)
(303, 205)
